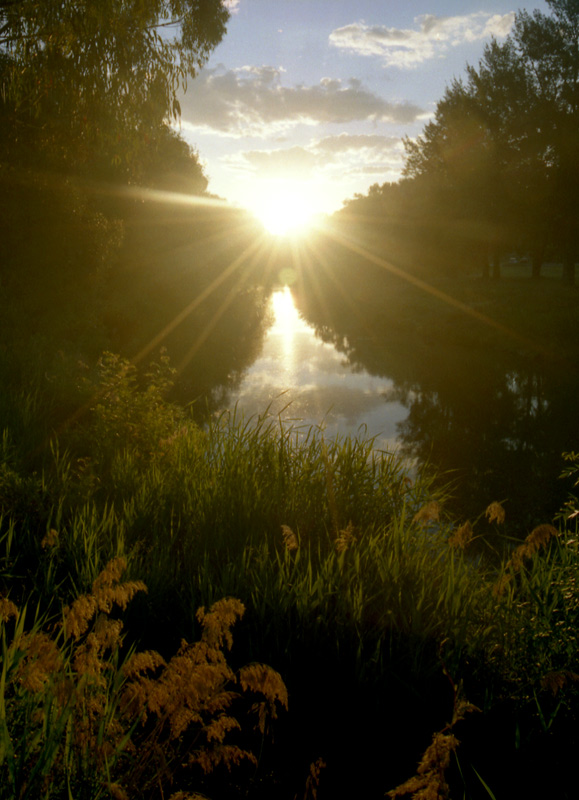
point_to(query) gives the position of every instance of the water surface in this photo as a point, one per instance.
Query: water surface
(308, 380)
(491, 422)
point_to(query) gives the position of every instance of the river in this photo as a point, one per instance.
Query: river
(308, 382)
(493, 429)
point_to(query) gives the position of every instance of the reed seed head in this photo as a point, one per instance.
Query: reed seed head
(461, 537)
(345, 538)
(50, 540)
(290, 540)
(7, 609)
(495, 513)
(554, 681)
(428, 513)
(41, 662)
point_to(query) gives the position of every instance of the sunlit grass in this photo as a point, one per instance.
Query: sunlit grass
(82, 716)
(338, 555)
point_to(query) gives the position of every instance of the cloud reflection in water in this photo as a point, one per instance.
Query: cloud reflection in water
(295, 367)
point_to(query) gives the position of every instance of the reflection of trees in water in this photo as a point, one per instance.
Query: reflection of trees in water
(494, 422)
(195, 284)
(216, 367)
(504, 439)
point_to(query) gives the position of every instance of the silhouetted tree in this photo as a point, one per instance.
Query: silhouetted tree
(94, 82)
(549, 46)
(506, 139)
(473, 147)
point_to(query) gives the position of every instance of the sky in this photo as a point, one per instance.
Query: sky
(310, 99)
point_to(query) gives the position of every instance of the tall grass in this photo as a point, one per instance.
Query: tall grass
(81, 718)
(351, 575)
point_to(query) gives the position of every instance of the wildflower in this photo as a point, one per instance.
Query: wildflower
(495, 513)
(289, 538)
(462, 536)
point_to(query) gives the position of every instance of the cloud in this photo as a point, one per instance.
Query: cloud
(361, 154)
(295, 162)
(406, 48)
(331, 156)
(349, 143)
(251, 101)
(232, 5)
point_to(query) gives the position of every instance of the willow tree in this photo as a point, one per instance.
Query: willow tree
(92, 82)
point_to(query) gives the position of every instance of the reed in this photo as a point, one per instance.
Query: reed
(333, 548)
(81, 718)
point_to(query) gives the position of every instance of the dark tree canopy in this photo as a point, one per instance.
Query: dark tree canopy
(89, 79)
(503, 147)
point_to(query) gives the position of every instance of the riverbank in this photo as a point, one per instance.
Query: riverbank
(358, 591)
(361, 280)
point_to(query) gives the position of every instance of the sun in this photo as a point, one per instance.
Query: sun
(284, 209)
(283, 218)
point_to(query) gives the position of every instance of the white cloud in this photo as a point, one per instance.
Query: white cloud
(406, 48)
(292, 162)
(232, 5)
(499, 25)
(251, 101)
(355, 143)
(332, 157)
(361, 154)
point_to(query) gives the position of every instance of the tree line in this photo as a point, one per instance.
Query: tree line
(497, 168)
(92, 87)
(91, 262)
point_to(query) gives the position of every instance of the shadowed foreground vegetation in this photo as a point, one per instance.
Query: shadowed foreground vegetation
(384, 621)
(245, 609)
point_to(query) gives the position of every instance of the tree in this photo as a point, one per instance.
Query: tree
(507, 138)
(549, 46)
(90, 81)
(474, 147)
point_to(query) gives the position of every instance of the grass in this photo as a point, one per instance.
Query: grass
(533, 318)
(357, 589)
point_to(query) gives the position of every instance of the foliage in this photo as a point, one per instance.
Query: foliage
(497, 168)
(78, 717)
(97, 80)
(339, 557)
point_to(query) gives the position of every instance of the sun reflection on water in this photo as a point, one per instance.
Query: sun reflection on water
(287, 325)
(309, 382)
